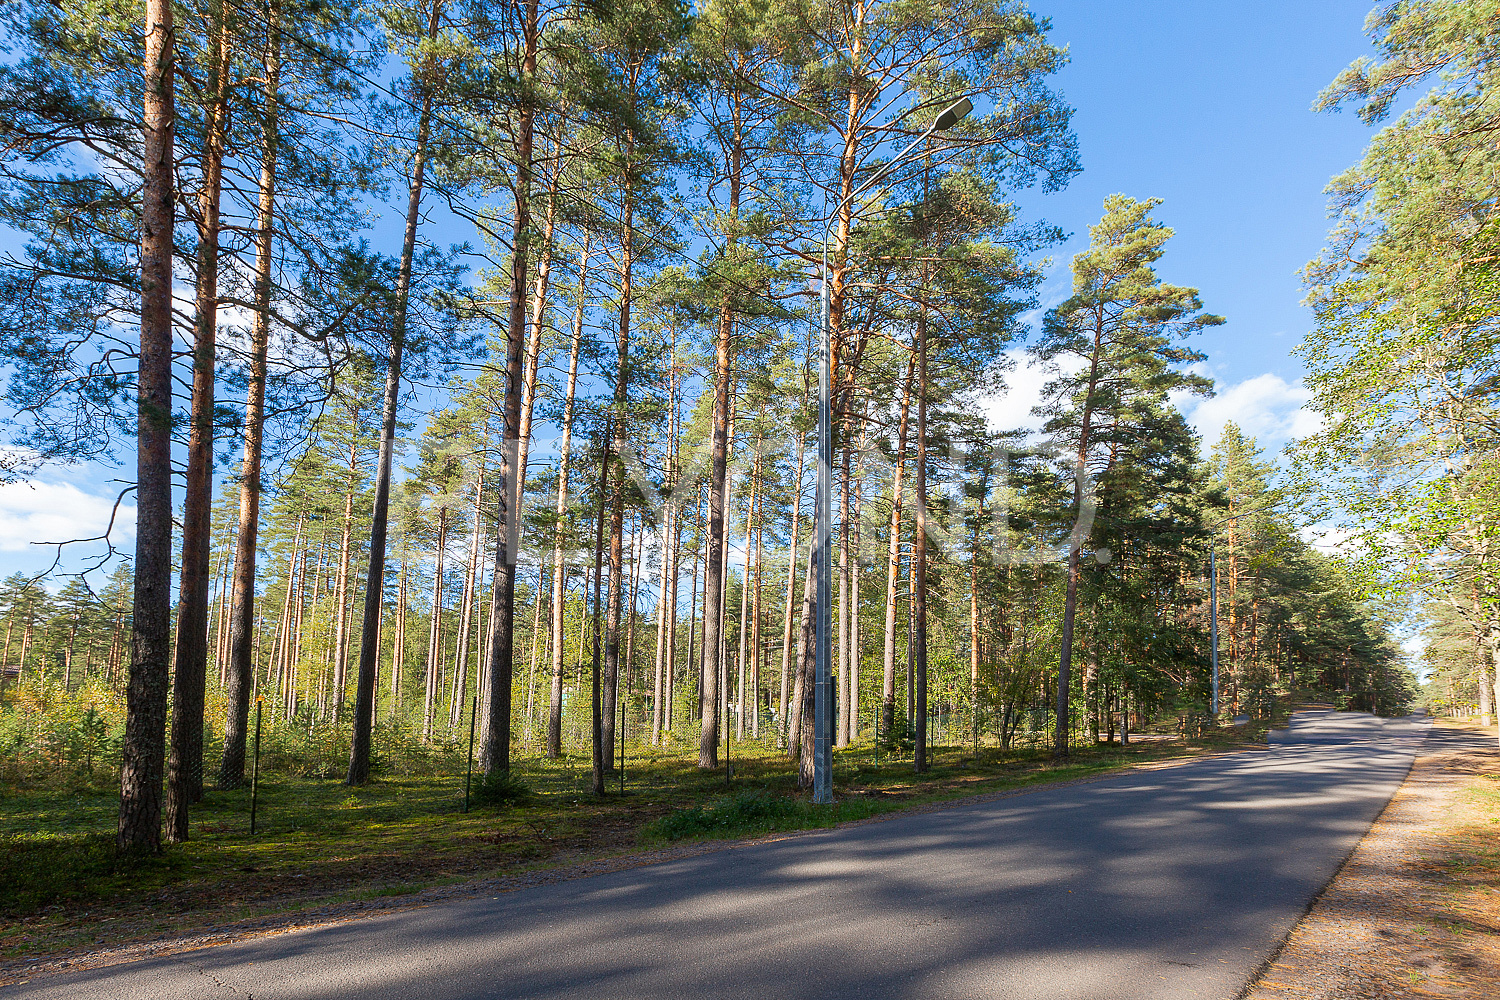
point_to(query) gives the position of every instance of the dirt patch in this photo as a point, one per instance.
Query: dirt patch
(1415, 910)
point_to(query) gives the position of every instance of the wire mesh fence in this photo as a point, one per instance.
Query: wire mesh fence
(425, 766)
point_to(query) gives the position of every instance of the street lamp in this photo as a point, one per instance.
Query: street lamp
(1213, 613)
(822, 682)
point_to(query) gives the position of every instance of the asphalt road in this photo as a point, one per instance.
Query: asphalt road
(1161, 884)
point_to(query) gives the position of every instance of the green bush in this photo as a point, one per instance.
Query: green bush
(750, 813)
(50, 736)
(503, 789)
(899, 739)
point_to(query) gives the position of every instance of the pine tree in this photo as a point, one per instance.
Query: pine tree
(1122, 325)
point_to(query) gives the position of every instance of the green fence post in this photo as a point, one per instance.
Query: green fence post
(255, 772)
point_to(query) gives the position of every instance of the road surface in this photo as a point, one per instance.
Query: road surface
(1177, 882)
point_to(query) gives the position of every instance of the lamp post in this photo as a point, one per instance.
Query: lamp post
(822, 686)
(1213, 614)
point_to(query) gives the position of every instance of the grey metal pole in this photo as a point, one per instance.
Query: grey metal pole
(1213, 617)
(822, 681)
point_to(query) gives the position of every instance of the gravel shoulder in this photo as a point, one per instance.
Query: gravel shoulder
(1415, 910)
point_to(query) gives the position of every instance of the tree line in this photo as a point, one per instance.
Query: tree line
(646, 189)
(1402, 360)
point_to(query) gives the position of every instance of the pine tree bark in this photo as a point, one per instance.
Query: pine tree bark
(919, 588)
(658, 674)
(398, 638)
(538, 315)
(974, 649)
(369, 640)
(240, 677)
(804, 696)
(495, 756)
(432, 692)
(744, 630)
(536, 650)
(1070, 598)
(342, 612)
(617, 494)
(669, 682)
(693, 640)
(596, 730)
(144, 748)
(713, 587)
(634, 569)
(458, 703)
(559, 531)
(185, 763)
(782, 705)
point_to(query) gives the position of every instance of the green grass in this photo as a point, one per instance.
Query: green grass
(753, 814)
(319, 842)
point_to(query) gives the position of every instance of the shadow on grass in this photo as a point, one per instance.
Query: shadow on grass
(753, 814)
(47, 871)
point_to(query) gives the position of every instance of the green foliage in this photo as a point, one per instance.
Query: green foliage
(899, 738)
(501, 789)
(44, 871)
(49, 736)
(750, 813)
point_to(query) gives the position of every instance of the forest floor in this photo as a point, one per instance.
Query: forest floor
(324, 851)
(1415, 910)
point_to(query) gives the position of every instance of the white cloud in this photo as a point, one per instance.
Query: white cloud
(36, 511)
(1011, 410)
(1265, 407)
(1327, 538)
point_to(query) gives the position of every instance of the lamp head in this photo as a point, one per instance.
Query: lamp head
(953, 115)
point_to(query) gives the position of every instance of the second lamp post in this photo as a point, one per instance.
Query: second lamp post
(822, 680)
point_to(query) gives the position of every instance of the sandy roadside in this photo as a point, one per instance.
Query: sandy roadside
(1409, 914)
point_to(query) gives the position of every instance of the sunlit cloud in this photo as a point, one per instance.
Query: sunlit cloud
(34, 511)
(1266, 407)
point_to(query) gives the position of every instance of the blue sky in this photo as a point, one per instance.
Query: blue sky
(1203, 104)
(1207, 105)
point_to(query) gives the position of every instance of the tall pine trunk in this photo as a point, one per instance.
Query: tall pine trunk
(791, 583)
(713, 573)
(1070, 599)
(756, 618)
(919, 586)
(433, 690)
(144, 749)
(596, 729)
(495, 757)
(369, 639)
(458, 703)
(242, 632)
(744, 631)
(185, 765)
(342, 611)
(617, 497)
(559, 567)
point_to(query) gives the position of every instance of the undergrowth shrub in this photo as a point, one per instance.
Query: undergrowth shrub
(53, 737)
(502, 789)
(750, 813)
